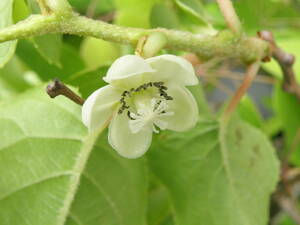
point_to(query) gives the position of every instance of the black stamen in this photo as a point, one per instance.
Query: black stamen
(129, 116)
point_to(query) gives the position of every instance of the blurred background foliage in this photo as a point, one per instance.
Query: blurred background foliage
(266, 107)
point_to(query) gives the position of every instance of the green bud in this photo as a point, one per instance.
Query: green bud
(153, 44)
(59, 6)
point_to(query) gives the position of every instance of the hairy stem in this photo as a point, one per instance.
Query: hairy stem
(230, 15)
(224, 44)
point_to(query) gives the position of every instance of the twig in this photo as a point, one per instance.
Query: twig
(249, 77)
(57, 88)
(230, 15)
(225, 44)
(90, 12)
(286, 62)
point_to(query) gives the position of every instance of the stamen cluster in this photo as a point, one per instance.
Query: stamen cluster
(128, 93)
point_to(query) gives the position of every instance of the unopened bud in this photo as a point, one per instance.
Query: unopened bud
(153, 44)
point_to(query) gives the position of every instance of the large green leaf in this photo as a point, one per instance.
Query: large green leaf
(44, 149)
(7, 49)
(213, 182)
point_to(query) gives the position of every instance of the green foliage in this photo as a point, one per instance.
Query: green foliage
(287, 108)
(194, 8)
(70, 61)
(53, 172)
(49, 46)
(215, 182)
(96, 52)
(40, 163)
(248, 112)
(134, 13)
(42, 158)
(7, 49)
(164, 16)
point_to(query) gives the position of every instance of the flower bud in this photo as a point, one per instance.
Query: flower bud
(153, 44)
(59, 6)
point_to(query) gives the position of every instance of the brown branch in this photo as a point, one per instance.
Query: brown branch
(230, 16)
(287, 194)
(249, 77)
(286, 62)
(57, 88)
(289, 205)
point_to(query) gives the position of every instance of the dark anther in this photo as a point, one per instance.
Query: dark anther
(129, 116)
(168, 97)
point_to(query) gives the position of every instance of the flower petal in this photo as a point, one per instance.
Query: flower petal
(171, 68)
(184, 107)
(127, 66)
(99, 107)
(126, 143)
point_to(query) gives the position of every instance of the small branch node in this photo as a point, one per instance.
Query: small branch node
(57, 88)
(285, 61)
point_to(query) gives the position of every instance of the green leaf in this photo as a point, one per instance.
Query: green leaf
(99, 6)
(44, 150)
(194, 8)
(12, 79)
(249, 112)
(71, 62)
(159, 208)
(134, 13)
(20, 10)
(7, 49)
(96, 52)
(33, 6)
(49, 46)
(164, 16)
(88, 82)
(214, 178)
(287, 108)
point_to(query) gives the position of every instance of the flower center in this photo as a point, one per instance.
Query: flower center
(128, 93)
(149, 115)
(147, 111)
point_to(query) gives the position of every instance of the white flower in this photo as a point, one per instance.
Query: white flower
(143, 96)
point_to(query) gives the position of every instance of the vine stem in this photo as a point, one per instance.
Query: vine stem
(230, 16)
(224, 44)
(249, 77)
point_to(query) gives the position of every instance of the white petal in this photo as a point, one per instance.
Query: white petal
(99, 106)
(126, 143)
(171, 68)
(184, 107)
(127, 66)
